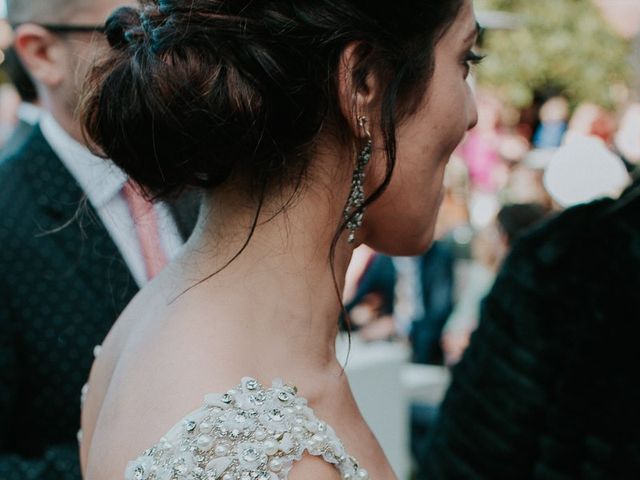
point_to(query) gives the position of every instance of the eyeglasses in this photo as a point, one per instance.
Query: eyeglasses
(66, 28)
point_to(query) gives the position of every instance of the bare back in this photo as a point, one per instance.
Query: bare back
(157, 365)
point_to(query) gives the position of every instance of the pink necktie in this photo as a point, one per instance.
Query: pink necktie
(147, 229)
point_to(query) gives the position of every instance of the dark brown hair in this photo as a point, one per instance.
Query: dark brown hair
(195, 92)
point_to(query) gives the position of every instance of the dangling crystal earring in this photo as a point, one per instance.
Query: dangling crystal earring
(354, 211)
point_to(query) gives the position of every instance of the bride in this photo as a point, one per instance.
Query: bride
(311, 127)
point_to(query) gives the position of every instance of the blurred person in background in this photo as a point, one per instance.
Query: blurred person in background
(434, 275)
(513, 144)
(369, 295)
(28, 111)
(525, 182)
(77, 242)
(9, 99)
(9, 105)
(554, 114)
(548, 386)
(482, 152)
(402, 297)
(490, 247)
(590, 119)
(481, 146)
(627, 138)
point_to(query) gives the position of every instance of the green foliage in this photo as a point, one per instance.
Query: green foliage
(561, 45)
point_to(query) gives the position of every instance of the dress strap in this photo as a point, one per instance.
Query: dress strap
(247, 433)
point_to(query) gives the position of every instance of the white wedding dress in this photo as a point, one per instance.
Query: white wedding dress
(248, 433)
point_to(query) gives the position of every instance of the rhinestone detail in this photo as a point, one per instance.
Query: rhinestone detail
(249, 432)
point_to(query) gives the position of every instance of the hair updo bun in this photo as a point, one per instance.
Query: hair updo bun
(123, 27)
(196, 92)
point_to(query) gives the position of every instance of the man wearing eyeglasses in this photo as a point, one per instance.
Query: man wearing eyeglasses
(76, 243)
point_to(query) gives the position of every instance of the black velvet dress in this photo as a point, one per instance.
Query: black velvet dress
(550, 386)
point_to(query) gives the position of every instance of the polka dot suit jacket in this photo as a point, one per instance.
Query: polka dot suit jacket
(62, 285)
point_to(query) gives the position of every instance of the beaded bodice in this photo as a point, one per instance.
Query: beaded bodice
(248, 433)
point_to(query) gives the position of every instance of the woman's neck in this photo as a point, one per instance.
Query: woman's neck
(278, 299)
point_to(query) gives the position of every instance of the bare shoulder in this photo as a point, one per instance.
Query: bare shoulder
(95, 390)
(313, 468)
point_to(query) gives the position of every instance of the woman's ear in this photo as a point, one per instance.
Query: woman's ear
(358, 88)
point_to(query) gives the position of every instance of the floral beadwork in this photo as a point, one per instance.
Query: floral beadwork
(248, 433)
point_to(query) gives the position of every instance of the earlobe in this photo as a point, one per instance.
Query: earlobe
(358, 87)
(37, 49)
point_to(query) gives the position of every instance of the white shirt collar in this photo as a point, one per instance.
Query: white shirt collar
(29, 113)
(100, 179)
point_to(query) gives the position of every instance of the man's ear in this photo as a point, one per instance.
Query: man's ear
(359, 90)
(41, 53)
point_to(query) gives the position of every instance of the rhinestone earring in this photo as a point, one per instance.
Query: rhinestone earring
(354, 211)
